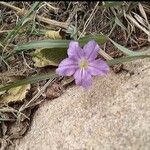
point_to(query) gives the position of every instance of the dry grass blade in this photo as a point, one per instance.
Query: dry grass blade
(145, 16)
(8, 110)
(5, 119)
(146, 8)
(138, 25)
(140, 20)
(130, 26)
(52, 7)
(10, 6)
(89, 19)
(105, 55)
(32, 79)
(52, 22)
(143, 12)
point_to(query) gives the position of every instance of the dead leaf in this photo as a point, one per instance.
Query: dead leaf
(54, 91)
(15, 94)
(48, 57)
(41, 61)
(53, 34)
(2, 92)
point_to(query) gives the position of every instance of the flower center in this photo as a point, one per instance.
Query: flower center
(83, 64)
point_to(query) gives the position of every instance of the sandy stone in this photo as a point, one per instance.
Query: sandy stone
(113, 115)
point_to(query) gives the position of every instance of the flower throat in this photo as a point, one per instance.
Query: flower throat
(83, 64)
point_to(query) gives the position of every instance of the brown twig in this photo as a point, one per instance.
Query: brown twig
(52, 22)
(39, 18)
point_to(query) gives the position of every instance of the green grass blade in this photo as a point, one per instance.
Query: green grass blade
(43, 44)
(119, 23)
(101, 39)
(30, 80)
(126, 59)
(127, 51)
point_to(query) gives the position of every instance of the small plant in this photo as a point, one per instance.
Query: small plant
(82, 63)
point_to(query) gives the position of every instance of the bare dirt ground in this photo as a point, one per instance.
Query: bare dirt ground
(113, 114)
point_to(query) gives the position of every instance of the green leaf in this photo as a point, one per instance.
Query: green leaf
(126, 59)
(101, 39)
(43, 44)
(127, 51)
(55, 54)
(49, 56)
(111, 4)
(33, 79)
(15, 94)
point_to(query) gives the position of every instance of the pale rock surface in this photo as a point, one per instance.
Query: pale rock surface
(113, 115)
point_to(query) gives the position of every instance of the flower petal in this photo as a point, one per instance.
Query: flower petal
(83, 78)
(67, 67)
(74, 50)
(91, 50)
(98, 67)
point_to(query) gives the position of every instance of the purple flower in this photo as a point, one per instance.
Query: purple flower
(82, 63)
